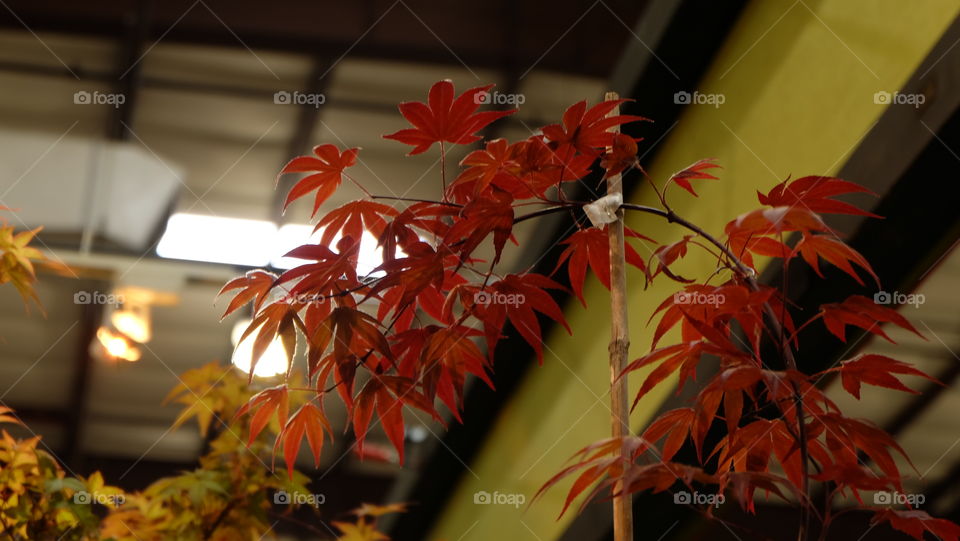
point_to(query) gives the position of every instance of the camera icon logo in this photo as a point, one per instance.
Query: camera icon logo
(481, 498)
(482, 297)
(81, 97)
(682, 297)
(682, 98)
(882, 297)
(281, 497)
(881, 97)
(82, 497)
(481, 98)
(882, 498)
(82, 297)
(682, 498)
(282, 97)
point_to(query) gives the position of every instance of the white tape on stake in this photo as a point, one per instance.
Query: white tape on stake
(604, 210)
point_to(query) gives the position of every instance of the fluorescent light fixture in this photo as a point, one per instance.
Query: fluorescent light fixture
(233, 241)
(252, 243)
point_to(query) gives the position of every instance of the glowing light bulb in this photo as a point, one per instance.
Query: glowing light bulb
(271, 363)
(117, 346)
(132, 324)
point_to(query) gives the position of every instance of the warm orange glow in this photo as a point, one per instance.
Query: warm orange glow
(117, 346)
(133, 323)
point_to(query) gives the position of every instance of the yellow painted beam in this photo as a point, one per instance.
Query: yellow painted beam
(798, 79)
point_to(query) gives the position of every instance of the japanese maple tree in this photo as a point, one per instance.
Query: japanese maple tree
(410, 332)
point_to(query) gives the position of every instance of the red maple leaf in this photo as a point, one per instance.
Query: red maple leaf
(404, 230)
(694, 172)
(592, 246)
(836, 252)
(353, 218)
(862, 312)
(815, 194)
(916, 523)
(309, 420)
(497, 158)
(449, 354)
(266, 402)
(277, 319)
(876, 370)
(675, 425)
(444, 118)
(423, 266)
(377, 396)
(542, 167)
(622, 156)
(684, 356)
(516, 298)
(327, 169)
(255, 285)
(478, 219)
(587, 130)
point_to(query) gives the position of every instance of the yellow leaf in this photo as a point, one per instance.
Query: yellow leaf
(361, 531)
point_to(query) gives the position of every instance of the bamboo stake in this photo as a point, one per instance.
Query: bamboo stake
(619, 347)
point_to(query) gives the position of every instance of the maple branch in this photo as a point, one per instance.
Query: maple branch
(541, 212)
(415, 200)
(579, 204)
(298, 522)
(212, 528)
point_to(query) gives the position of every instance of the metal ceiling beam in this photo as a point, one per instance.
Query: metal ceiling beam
(247, 28)
(228, 90)
(302, 137)
(126, 84)
(128, 74)
(75, 413)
